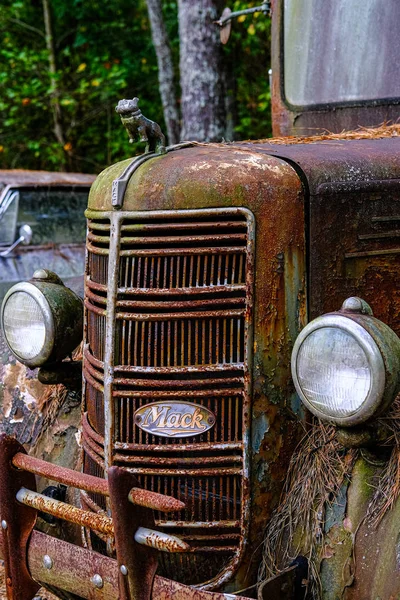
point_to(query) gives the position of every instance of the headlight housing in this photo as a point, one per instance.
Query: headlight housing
(346, 365)
(42, 320)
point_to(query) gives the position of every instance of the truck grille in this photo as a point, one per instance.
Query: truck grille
(183, 283)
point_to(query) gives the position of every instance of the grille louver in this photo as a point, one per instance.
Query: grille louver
(182, 319)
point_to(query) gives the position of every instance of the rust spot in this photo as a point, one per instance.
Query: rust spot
(160, 541)
(65, 511)
(155, 501)
(60, 474)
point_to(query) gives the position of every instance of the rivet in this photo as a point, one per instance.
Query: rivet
(97, 581)
(47, 562)
(40, 274)
(123, 570)
(356, 305)
(4, 524)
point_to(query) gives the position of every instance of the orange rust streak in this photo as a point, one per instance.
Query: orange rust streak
(89, 483)
(65, 511)
(155, 501)
(160, 541)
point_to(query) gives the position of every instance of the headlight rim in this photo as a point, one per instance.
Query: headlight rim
(41, 300)
(374, 403)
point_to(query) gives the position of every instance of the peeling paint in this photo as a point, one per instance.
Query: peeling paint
(262, 470)
(260, 426)
(15, 383)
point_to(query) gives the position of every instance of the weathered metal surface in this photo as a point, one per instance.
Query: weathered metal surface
(60, 474)
(366, 183)
(224, 22)
(54, 251)
(361, 558)
(67, 260)
(74, 567)
(62, 312)
(174, 419)
(307, 120)
(374, 563)
(354, 250)
(26, 177)
(155, 501)
(17, 523)
(120, 183)
(197, 178)
(160, 541)
(140, 562)
(68, 512)
(365, 266)
(232, 343)
(341, 166)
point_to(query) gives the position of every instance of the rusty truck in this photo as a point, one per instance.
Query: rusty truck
(240, 351)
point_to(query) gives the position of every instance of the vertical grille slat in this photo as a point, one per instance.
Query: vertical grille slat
(183, 313)
(190, 342)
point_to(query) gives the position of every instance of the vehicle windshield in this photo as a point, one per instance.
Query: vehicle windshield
(56, 215)
(341, 51)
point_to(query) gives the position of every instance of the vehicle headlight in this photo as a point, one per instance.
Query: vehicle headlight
(346, 365)
(42, 320)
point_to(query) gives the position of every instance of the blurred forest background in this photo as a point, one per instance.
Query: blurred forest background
(64, 64)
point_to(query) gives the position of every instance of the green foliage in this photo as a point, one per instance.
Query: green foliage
(104, 53)
(248, 57)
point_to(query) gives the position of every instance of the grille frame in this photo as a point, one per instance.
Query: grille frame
(103, 377)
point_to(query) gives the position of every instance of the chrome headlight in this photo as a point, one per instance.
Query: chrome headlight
(42, 320)
(346, 365)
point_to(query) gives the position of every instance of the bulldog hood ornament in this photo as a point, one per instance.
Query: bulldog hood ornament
(138, 126)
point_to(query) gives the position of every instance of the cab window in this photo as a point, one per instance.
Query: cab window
(341, 51)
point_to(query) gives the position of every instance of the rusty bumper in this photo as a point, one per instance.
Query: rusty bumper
(77, 570)
(32, 558)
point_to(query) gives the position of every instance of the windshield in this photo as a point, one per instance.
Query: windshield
(56, 215)
(341, 51)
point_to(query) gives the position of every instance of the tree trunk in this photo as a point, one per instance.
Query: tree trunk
(58, 130)
(203, 112)
(165, 70)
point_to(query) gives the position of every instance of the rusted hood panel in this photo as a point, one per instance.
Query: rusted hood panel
(353, 163)
(206, 176)
(227, 168)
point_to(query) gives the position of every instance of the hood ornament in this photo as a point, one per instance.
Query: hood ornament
(138, 126)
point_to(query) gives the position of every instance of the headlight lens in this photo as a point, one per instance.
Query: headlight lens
(345, 365)
(42, 320)
(24, 325)
(333, 371)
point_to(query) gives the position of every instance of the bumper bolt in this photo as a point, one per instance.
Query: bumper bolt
(97, 581)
